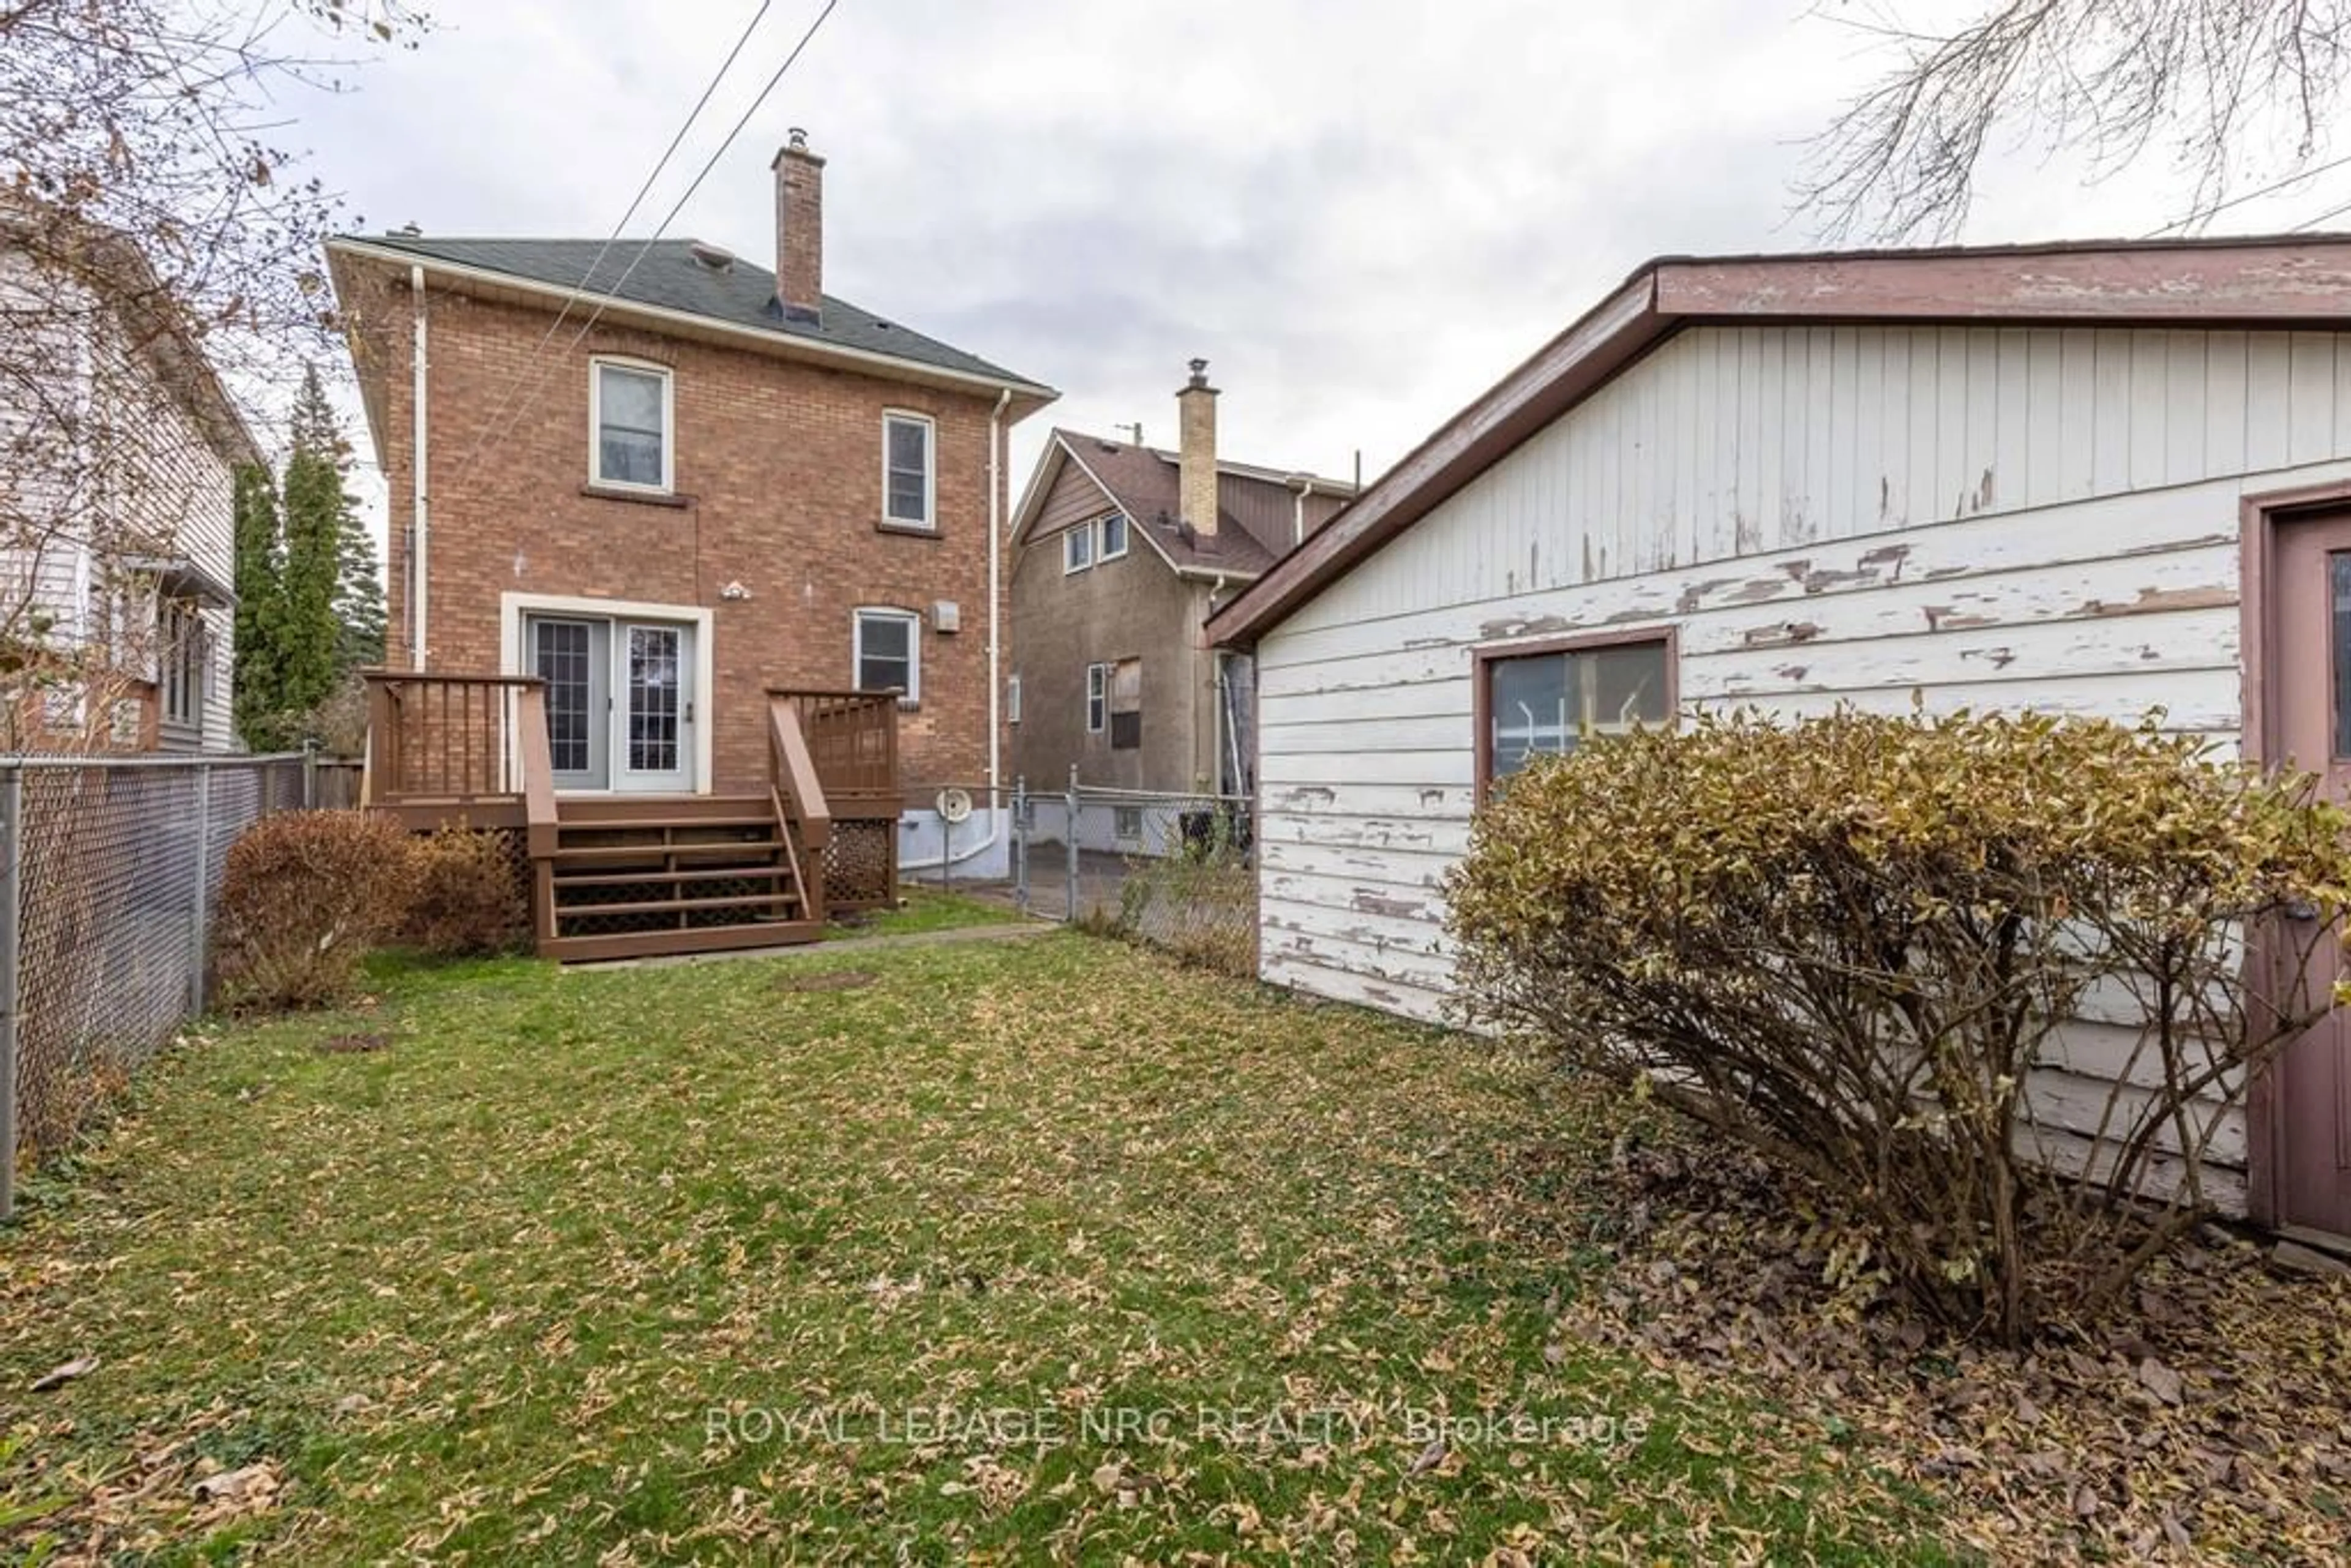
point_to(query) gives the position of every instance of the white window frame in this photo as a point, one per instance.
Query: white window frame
(1012, 699)
(1097, 698)
(912, 695)
(1083, 535)
(182, 669)
(597, 365)
(929, 523)
(1102, 541)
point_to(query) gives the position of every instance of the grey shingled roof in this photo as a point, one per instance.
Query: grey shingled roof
(669, 277)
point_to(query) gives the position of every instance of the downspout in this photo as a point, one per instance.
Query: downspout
(1304, 485)
(995, 646)
(419, 526)
(1215, 696)
(995, 582)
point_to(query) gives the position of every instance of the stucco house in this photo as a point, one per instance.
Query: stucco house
(119, 452)
(1119, 553)
(2081, 478)
(678, 503)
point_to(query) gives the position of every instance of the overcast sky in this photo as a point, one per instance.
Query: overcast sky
(1360, 215)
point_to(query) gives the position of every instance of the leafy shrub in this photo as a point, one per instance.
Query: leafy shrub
(1858, 944)
(304, 896)
(472, 898)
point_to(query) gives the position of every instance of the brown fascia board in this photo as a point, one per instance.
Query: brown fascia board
(2273, 282)
(1564, 372)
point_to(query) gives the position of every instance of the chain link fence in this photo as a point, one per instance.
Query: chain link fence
(110, 871)
(1175, 870)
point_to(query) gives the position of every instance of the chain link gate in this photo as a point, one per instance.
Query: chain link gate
(1176, 870)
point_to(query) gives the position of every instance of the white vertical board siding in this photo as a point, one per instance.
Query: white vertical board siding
(2002, 518)
(1729, 442)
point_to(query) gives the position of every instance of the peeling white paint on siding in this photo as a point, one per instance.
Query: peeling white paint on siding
(1981, 518)
(1735, 441)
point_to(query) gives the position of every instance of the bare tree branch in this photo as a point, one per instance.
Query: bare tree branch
(2239, 89)
(157, 244)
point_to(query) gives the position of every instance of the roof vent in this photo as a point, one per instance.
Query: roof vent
(716, 257)
(409, 230)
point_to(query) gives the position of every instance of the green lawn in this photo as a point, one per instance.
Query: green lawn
(1034, 1250)
(922, 909)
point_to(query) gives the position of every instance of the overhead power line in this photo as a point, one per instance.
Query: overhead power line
(2272, 189)
(514, 387)
(605, 297)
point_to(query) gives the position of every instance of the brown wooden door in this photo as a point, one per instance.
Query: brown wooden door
(2311, 676)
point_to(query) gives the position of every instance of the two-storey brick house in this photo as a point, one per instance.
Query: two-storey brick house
(664, 481)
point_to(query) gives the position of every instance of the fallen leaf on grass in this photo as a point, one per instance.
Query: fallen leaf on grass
(248, 1483)
(64, 1372)
(2159, 1380)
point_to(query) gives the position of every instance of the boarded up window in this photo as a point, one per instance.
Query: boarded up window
(1127, 704)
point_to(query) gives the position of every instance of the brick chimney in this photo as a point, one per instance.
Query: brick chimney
(800, 229)
(1196, 419)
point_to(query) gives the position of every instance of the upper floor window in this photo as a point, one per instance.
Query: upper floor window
(630, 415)
(1545, 700)
(1104, 539)
(185, 653)
(886, 651)
(909, 484)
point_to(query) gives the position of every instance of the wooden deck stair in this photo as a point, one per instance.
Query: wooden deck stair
(626, 876)
(631, 878)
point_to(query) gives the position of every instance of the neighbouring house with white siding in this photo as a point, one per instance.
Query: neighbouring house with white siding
(118, 449)
(2088, 479)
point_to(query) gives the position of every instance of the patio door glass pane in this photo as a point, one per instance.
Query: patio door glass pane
(655, 710)
(560, 657)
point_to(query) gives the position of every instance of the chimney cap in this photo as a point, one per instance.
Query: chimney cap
(796, 147)
(1199, 382)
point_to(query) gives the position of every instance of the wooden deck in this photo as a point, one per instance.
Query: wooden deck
(627, 875)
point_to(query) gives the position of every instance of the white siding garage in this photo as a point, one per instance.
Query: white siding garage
(2018, 509)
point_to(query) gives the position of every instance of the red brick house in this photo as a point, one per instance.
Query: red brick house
(643, 487)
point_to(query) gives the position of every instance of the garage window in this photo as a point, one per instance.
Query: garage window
(1547, 698)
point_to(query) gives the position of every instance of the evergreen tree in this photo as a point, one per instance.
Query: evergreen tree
(359, 602)
(319, 514)
(259, 690)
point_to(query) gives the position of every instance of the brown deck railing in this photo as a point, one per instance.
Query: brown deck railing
(798, 791)
(448, 739)
(852, 738)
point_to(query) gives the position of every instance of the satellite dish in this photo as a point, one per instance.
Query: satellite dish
(954, 805)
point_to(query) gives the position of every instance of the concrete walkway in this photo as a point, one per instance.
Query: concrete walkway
(842, 945)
